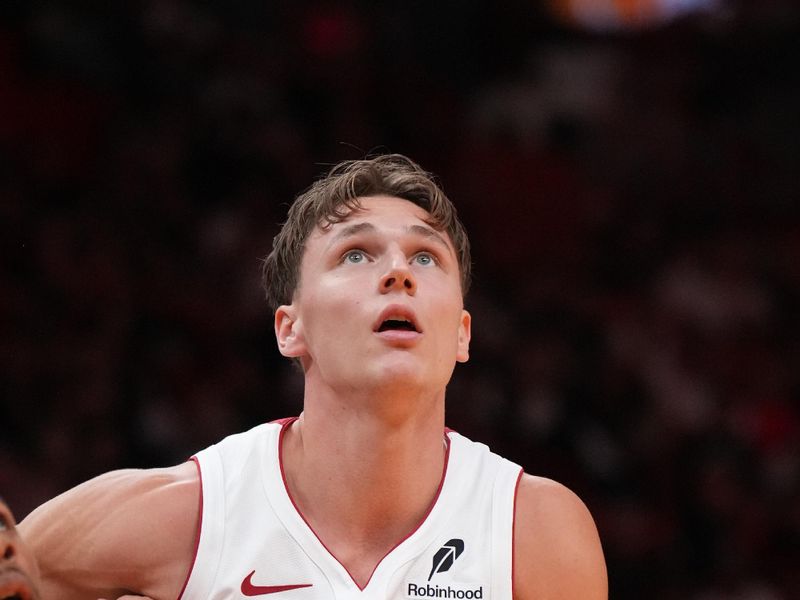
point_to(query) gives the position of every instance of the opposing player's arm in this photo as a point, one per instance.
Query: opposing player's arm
(557, 552)
(125, 532)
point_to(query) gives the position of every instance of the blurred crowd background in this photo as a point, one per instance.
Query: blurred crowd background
(629, 177)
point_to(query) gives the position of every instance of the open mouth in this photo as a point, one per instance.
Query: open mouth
(397, 324)
(399, 319)
(15, 586)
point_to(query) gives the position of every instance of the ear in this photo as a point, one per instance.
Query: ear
(464, 336)
(289, 332)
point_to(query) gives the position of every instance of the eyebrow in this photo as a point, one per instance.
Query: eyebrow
(429, 233)
(352, 230)
(357, 228)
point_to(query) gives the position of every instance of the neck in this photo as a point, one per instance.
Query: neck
(363, 478)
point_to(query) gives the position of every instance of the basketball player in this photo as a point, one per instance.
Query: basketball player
(19, 575)
(366, 494)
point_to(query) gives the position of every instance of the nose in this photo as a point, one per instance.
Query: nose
(398, 277)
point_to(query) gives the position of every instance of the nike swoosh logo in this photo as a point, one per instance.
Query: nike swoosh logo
(248, 589)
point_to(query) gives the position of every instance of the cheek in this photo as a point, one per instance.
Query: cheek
(331, 309)
(26, 561)
(448, 318)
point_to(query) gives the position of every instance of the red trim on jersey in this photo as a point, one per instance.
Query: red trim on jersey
(514, 530)
(284, 426)
(199, 528)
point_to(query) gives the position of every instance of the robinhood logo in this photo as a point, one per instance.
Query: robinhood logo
(442, 561)
(426, 590)
(446, 556)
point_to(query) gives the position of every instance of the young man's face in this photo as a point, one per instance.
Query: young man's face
(379, 301)
(19, 575)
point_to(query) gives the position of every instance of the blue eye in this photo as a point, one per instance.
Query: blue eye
(425, 259)
(354, 257)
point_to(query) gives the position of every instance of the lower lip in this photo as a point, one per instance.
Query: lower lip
(399, 336)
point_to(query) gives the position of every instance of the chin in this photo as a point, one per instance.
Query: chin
(402, 363)
(387, 371)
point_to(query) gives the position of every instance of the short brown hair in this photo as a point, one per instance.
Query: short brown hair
(334, 197)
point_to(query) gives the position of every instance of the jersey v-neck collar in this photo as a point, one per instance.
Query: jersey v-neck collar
(298, 527)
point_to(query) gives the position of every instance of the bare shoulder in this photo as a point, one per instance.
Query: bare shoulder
(557, 551)
(130, 531)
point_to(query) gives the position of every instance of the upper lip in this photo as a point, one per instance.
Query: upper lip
(397, 312)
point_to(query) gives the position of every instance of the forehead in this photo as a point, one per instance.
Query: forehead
(387, 206)
(385, 212)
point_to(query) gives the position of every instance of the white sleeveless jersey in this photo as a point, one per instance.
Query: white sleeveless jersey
(253, 541)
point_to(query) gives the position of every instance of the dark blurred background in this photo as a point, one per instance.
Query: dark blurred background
(629, 172)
